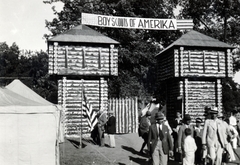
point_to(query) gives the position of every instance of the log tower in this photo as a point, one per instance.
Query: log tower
(82, 58)
(191, 71)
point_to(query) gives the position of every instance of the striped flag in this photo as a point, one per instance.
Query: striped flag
(88, 112)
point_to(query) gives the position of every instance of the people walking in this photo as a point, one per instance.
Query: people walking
(159, 141)
(111, 128)
(144, 129)
(181, 134)
(198, 131)
(214, 138)
(227, 130)
(233, 128)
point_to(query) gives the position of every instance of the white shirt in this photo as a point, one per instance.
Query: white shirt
(160, 126)
(189, 144)
(232, 120)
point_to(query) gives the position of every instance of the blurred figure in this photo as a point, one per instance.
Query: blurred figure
(189, 148)
(233, 119)
(206, 113)
(177, 123)
(111, 128)
(226, 129)
(177, 120)
(198, 131)
(214, 138)
(144, 129)
(165, 122)
(233, 128)
(238, 127)
(232, 135)
(181, 134)
(102, 120)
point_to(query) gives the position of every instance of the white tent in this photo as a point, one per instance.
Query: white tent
(29, 127)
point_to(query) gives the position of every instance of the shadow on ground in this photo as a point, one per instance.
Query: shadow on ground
(76, 143)
(133, 151)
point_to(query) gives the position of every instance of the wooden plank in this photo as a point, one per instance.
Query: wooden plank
(117, 115)
(83, 57)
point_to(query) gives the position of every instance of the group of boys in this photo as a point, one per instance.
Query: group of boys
(190, 144)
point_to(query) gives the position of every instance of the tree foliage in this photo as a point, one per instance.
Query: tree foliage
(31, 70)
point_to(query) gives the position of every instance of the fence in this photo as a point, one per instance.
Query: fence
(126, 113)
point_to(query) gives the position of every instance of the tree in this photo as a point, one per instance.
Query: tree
(31, 70)
(9, 59)
(138, 47)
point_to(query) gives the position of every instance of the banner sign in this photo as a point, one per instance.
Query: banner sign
(135, 23)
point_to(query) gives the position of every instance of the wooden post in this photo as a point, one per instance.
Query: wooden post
(135, 114)
(80, 141)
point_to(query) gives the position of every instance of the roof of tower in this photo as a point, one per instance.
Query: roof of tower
(197, 39)
(82, 33)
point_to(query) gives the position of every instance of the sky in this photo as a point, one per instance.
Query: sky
(23, 22)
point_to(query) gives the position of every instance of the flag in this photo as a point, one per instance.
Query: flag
(88, 112)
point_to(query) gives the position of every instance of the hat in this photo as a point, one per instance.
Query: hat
(187, 117)
(111, 112)
(198, 120)
(207, 109)
(148, 113)
(159, 116)
(220, 115)
(178, 112)
(214, 110)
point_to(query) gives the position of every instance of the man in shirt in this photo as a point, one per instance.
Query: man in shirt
(214, 138)
(159, 141)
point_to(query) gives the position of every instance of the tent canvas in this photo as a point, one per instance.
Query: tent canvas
(29, 127)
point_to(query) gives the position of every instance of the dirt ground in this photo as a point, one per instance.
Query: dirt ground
(125, 153)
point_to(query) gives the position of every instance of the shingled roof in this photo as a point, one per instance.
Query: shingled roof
(82, 33)
(196, 39)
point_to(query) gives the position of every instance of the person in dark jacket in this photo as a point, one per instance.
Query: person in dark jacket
(160, 141)
(198, 131)
(176, 125)
(111, 128)
(144, 129)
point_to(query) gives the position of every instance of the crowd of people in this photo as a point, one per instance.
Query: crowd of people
(206, 140)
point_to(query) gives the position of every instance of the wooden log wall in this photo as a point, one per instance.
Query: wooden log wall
(126, 113)
(83, 60)
(70, 97)
(199, 95)
(165, 67)
(186, 62)
(196, 94)
(204, 63)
